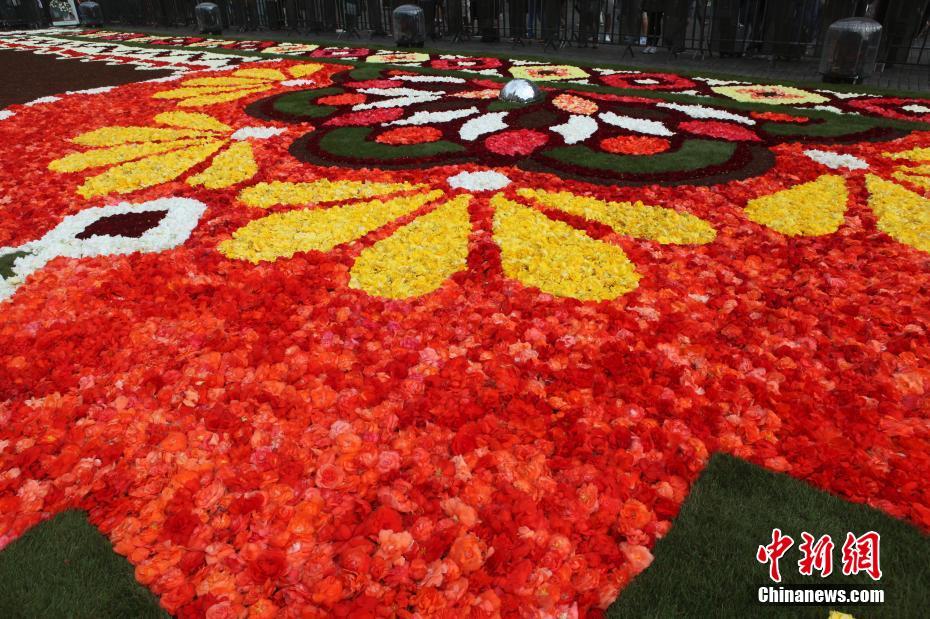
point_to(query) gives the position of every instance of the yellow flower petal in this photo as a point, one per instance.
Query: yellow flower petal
(272, 75)
(303, 70)
(915, 154)
(241, 81)
(418, 257)
(284, 234)
(902, 214)
(113, 136)
(811, 209)
(220, 97)
(264, 195)
(191, 120)
(186, 93)
(558, 259)
(835, 614)
(148, 172)
(234, 165)
(637, 220)
(921, 180)
(75, 162)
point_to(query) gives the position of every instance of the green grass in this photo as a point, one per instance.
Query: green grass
(692, 155)
(64, 567)
(706, 566)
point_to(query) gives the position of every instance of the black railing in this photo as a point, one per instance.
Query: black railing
(789, 29)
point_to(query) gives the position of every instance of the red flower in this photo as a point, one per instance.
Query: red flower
(409, 135)
(269, 564)
(648, 81)
(635, 145)
(516, 142)
(721, 130)
(366, 117)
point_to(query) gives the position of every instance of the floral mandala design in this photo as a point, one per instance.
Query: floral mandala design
(432, 244)
(202, 91)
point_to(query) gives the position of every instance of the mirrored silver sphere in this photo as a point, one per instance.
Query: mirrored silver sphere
(523, 92)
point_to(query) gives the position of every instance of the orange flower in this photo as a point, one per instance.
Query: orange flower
(466, 551)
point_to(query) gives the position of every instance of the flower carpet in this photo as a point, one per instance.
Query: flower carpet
(357, 338)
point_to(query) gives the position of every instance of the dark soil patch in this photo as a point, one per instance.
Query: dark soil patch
(28, 76)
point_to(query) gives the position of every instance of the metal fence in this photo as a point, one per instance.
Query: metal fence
(789, 29)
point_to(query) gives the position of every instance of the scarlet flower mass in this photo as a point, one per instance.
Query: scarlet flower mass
(471, 387)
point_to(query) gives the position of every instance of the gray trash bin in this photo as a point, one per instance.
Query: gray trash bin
(91, 14)
(409, 26)
(209, 19)
(850, 49)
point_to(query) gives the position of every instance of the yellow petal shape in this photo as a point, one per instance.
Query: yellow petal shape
(191, 120)
(921, 180)
(75, 162)
(902, 214)
(656, 223)
(281, 235)
(264, 195)
(198, 91)
(556, 258)
(241, 81)
(915, 154)
(272, 75)
(220, 97)
(418, 257)
(234, 165)
(303, 70)
(113, 136)
(811, 209)
(835, 614)
(148, 172)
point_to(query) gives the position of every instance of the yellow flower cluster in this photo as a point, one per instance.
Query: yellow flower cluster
(557, 258)
(771, 94)
(419, 257)
(265, 195)
(818, 207)
(284, 234)
(655, 223)
(201, 91)
(810, 209)
(139, 157)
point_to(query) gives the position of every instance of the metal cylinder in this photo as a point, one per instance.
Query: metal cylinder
(209, 19)
(409, 26)
(91, 14)
(850, 49)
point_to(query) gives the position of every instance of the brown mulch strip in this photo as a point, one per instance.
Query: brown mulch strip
(28, 76)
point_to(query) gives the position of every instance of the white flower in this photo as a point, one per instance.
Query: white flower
(701, 112)
(833, 109)
(917, 109)
(577, 128)
(180, 217)
(50, 99)
(91, 91)
(639, 125)
(487, 180)
(298, 82)
(4, 114)
(836, 160)
(429, 78)
(257, 133)
(423, 118)
(486, 123)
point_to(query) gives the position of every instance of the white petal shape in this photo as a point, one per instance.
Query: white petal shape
(422, 118)
(699, 111)
(486, 123)
(576, 129)
(179, 220)
(836, 160)
(257, 133)
(639, 125)
(486, 180)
